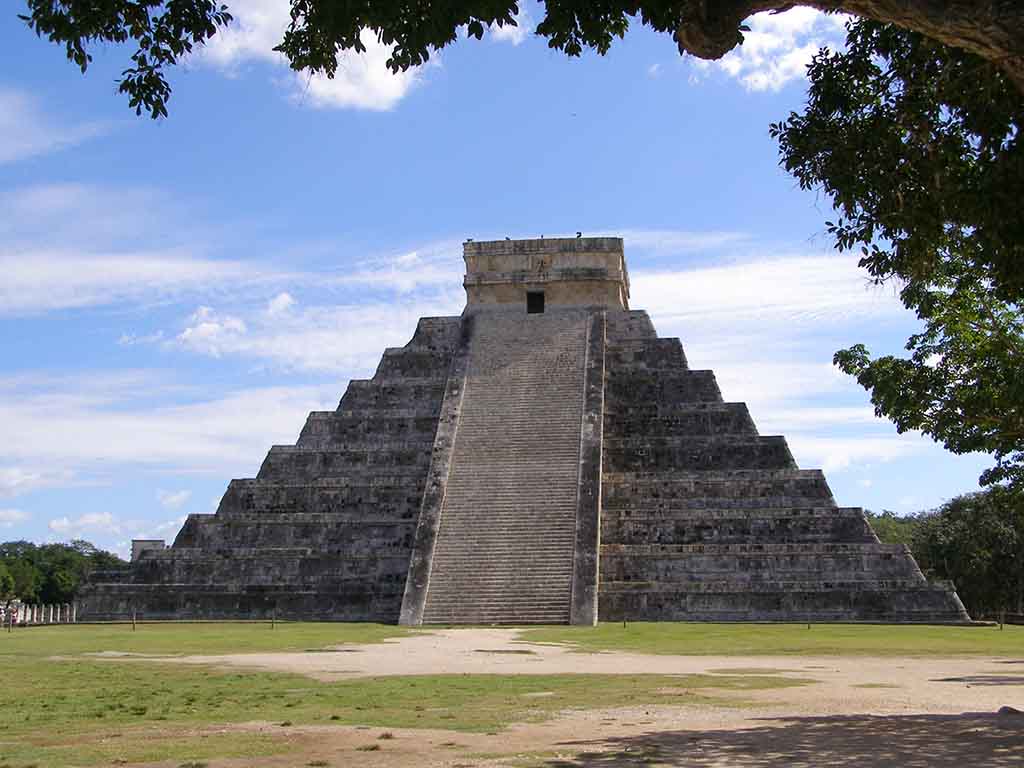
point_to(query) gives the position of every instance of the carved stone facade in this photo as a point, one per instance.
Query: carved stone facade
(545, 457)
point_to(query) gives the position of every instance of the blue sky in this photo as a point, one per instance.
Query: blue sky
(175, 296)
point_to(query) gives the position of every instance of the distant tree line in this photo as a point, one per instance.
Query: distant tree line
(49, 573)
(976, 541)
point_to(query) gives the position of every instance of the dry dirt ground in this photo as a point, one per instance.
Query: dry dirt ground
(860, 711)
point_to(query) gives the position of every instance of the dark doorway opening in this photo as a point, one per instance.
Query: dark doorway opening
(534, 302)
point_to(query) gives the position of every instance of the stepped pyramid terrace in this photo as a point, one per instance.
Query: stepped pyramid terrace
(543, 458)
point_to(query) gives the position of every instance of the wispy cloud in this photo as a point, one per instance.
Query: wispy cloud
(173, 499)
(317, 338)
(26, 130)
(88, 425)
(363, 81)
(17, 480)
(788, 289)
(50, 280)
(92, 522)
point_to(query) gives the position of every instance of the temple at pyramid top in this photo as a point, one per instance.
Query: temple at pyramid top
(543, 457)
(561, 272)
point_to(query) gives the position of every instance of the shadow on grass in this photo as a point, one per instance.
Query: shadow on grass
(908, 741)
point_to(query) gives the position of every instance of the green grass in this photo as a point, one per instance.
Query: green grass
(787, 639)
(190, 638)
(62, 709)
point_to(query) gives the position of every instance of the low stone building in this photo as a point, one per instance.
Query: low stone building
(544, 457)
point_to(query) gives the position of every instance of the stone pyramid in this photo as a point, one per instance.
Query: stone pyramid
(543, 458)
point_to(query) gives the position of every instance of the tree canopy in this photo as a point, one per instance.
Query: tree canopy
(918, 146)
(50, 573)
(975, 540)
(163, 31)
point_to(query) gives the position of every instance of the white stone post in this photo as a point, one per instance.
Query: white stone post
(49, 614)
(74, 613)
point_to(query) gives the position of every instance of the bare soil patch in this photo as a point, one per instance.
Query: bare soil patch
(860, 711)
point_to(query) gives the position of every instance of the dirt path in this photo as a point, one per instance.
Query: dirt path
(860, 711)
(846, 684)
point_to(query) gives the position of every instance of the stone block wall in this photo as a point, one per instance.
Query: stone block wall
(704, 519)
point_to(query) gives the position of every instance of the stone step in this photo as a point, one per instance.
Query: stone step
(328, 428)
(721, 452)
(363, 394)
(628, 325)
(416, 362)
(680, 489)
(733, 526)
(646, 354)
(872, 600)
(752, 549)
(692, 419)
(625, 387)
(287, 461)
(684, 563)
(740, 586)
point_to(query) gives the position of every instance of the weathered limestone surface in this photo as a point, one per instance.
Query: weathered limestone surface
(506, 539)
(704, 519)
(504, 467)
(325, 529)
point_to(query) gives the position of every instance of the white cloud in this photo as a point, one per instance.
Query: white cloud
(514, 34)
(173, 499)
(834, 454)
(654, 70)
(211, 333)
(280, 304)
(362, 81)
(438, 266)
(26, 131)
(8, 517)
(92, 522)
(778, 48)
(16, 480)
(133, 339)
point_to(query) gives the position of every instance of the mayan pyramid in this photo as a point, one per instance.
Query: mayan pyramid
(544, 457)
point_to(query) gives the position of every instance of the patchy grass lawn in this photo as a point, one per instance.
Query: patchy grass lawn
(787, 639)
(185, 638)
(63, 709)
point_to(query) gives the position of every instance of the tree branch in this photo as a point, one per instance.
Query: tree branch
(991, 29)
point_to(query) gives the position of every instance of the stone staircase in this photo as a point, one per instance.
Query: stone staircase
(505, 543)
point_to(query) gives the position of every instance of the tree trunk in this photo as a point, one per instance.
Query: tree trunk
(992, 29)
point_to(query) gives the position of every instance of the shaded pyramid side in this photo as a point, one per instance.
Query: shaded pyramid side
(325, 530)
(705, 519)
